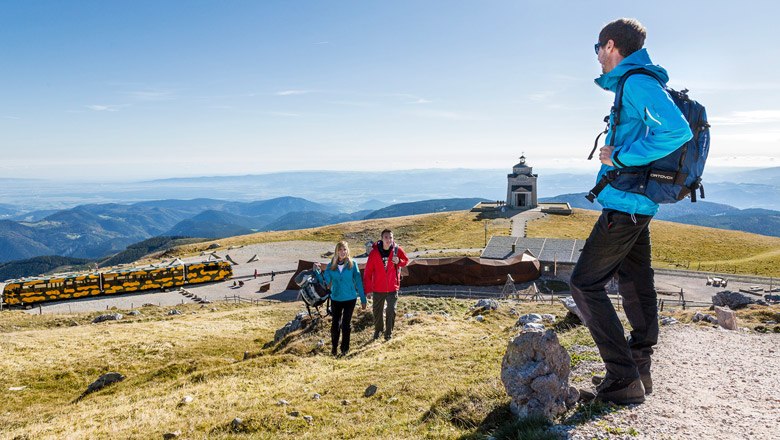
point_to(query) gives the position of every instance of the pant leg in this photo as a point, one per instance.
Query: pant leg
(637, 287)
(335, 324)
(392, 299)
(346, 324)
(378, 307)
(611, 240)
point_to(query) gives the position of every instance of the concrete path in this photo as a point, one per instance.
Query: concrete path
(519, 221)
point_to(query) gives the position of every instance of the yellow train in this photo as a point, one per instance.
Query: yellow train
(35, 290)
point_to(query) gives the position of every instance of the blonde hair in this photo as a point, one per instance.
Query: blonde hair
(334, 263)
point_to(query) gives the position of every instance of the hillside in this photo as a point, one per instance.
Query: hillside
(438, 376)
(678, 246)
(701, 213)
(40, 265)
(424, 207)
(675, 245)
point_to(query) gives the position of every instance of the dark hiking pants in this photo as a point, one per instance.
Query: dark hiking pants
(384, 324)
(619, 245)
(341, 324)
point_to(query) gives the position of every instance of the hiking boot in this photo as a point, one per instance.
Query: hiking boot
(621, 391)
(647, 382)
(376, 334)
(388, 337)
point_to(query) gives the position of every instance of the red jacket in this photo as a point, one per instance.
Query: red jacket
(377, 277)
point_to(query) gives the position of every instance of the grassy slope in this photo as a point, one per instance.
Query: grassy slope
(450, 230)
(433, 364)
(437, 378)
(677, 245)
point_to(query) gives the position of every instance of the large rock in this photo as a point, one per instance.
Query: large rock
(486, 304)
(529, 318)
(295, 324)
(102, 382)
(108, 317)
(535, 373)
(571, 306)
(732, 300)
(726, 318)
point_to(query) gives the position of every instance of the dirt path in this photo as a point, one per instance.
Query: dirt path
(709, 383)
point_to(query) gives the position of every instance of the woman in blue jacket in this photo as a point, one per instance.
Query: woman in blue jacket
(343, 277)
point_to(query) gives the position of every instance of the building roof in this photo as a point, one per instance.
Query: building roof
(545, 249)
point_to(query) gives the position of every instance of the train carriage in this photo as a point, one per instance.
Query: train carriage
(61, 287)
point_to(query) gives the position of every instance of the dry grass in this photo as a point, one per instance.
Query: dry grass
(438, 363)
(678, 246)
(449, 230)
(437, 378)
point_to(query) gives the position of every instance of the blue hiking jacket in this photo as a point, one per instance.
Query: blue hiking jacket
(344, 285)
(651, 127)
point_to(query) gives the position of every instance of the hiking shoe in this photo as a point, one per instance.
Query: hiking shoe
(647, 382)
(376, 334)
(621, 391)
(388, 337)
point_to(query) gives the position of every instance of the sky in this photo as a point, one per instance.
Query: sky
(133, 90)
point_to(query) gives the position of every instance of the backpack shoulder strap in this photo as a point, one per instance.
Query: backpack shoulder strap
(618, 104)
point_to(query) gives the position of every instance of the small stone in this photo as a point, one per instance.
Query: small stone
(309, 419)
(294, 413)
(533, 327)
(320, 343)
(103, 381)
(486, 304)
(408, 315)
(236, 424)
(727, 318)
(479, 318)
(529, 318)
(171, 435)
(668, 320)
(282, 402)
(74, 323)
(133, 313)
(173, 312)
(345, 402)
(548, 318)
(316, 396)
(370, 391)
(246, 355)
(17, 388)
(185, 400)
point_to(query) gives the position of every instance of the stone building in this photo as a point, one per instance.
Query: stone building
(521, 187)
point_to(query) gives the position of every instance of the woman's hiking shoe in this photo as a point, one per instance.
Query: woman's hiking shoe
(647, 382)
(621, 391)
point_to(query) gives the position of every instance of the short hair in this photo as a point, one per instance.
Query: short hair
(628, 34)
(386, 231)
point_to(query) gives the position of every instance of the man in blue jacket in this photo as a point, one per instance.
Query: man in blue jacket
(651, 126)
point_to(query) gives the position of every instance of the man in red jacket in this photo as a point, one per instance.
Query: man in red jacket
(382, 278)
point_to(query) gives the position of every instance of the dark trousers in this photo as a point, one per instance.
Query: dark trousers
(378, 307)
(619, 245)
(341, 323)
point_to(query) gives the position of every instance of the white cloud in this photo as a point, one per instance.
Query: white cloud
(747, 117)
(322, 42)
(284, 114)
(11, 117)
(753, 136)
(291, 92)
(104, 108)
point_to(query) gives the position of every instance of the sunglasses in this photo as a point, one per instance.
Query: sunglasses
(597, 46)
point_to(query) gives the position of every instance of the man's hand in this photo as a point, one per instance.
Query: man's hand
(605, 155)
(396, 260)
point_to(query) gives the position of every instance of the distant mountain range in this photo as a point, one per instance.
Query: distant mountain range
(100, 230)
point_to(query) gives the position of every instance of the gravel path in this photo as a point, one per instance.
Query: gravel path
(708, 383)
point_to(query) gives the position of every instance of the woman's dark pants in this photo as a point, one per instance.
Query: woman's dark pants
(341, 324)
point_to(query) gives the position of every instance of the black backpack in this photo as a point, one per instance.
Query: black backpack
(672, 177)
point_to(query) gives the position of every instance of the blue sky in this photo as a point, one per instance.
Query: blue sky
(151, 89)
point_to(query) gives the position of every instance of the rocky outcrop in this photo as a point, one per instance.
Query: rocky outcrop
(732, 300)
(535, 373)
